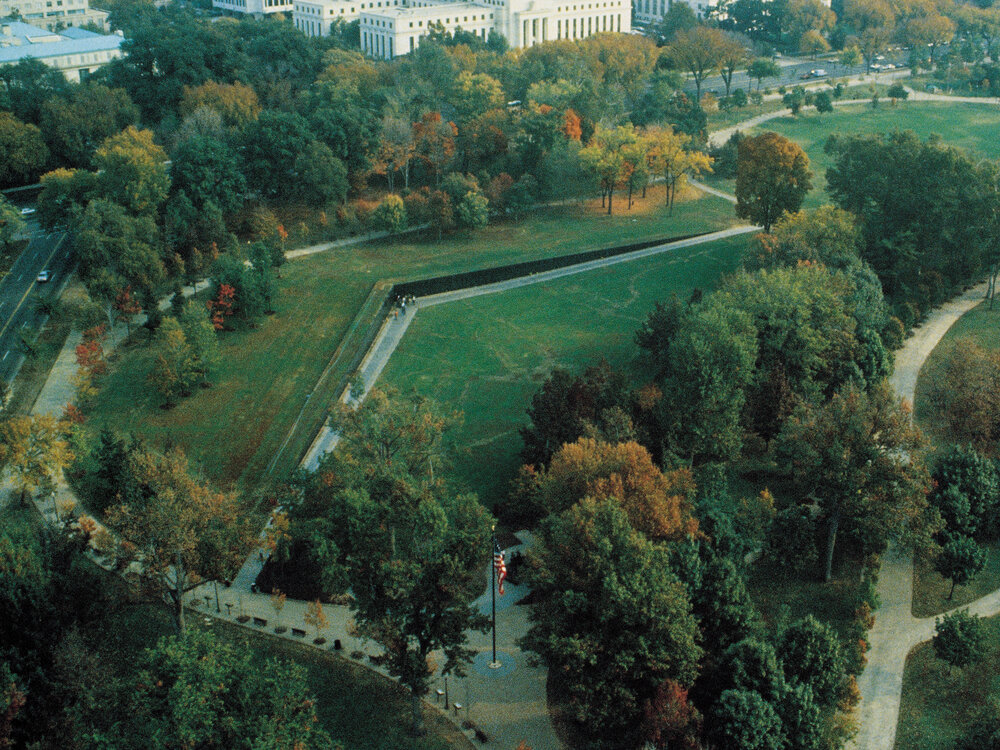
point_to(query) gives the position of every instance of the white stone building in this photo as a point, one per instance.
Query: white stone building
(395, 27)
(77, 53)
(651, 12)
(54, 14)
(257, 8)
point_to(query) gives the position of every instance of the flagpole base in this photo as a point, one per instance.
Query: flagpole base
(494, 665)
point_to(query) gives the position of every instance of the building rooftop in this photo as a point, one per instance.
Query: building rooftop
(432, 8)
(21, 40)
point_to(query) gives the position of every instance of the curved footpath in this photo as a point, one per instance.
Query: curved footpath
(896, 630)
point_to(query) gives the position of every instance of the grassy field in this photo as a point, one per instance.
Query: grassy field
(972, 127)
(930, 589)
(233, 429)
(939, 704)
(486, 356)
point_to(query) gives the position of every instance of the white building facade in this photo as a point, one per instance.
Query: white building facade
(54, 14)
(395, 27)
(257, 8)
(75, 52)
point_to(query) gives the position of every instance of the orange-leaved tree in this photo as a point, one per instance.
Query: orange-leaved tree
(179, 531)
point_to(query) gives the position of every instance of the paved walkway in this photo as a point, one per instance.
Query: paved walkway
(896, 630)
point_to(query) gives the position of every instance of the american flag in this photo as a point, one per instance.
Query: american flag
(500, 566)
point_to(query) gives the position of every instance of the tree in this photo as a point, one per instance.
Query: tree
(670, 155)
(698, 51)
(960, 560)
(322, 176)
(23, 153)
(851, 57)
(206, 170)
(202, 341)
(658, 505)
(390, 216)
(708, 365)
(810, 655)
(812, 43)
(859, 455)
(932, 30)
(381, 521)
(269, 146)
(435, 143)
(476, 93)
(396, 149)
(35, 450)
(236, 103)
(973, 477)
(897, 92)
(679, 17)
(965, 394)
(959, 638)
(473, 210)
(196, 690)
(761, 68)
(126, 308)
(182, 532)
(669, 719)
(315, 616)
(824, 102)
(76, 124)
(173, 373)
(772, 177)
(12, 227)
(825, 235)
(604, 158)
(131, 171)
(733, 54)
(442, 213)
(601, 582)
(743, 719)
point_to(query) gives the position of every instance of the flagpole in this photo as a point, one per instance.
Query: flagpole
(493, 596)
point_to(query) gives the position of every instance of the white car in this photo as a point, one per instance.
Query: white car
(44, 277)
(27, 211)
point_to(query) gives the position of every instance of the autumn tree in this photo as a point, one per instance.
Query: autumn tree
(733, 55)
(315, 616)
(35, 451)
(181, 531)
(860, 456)
(173, 371)
(966, 394)
(434, 143)
(126, 308)
(699, 52)
(132, 172)
(396, 149)
(761, 68)
(658, 505)
(599, 582)
(671, 156)
(772, 177)
(604, 157)
(236, 103)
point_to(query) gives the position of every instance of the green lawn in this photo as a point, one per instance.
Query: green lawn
(235, 428)
(973, 127)
(980, 325)
(356, 705)
(487, 356)
(939, 704)
(930, 589)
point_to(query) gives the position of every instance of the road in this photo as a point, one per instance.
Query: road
(791, 72)
(19, 289)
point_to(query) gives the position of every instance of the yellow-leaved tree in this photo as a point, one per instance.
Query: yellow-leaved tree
(34, 449)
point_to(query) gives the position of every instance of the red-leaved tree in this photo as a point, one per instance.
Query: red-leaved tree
(221, 307)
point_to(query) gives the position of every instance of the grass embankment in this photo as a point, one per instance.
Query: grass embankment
(972, 127)
(939, 703)
(487, 356)
(235, 428)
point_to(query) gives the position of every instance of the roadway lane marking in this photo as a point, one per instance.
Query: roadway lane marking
(30, 287)
(5, 356)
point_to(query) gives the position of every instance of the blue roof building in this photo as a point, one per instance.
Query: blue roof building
(76, 52)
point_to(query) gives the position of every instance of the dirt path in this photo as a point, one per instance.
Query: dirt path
(896, 630)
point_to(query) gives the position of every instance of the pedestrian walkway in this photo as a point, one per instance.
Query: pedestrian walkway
(896, 630)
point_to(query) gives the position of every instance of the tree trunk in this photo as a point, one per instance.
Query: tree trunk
(610, 195)
(406, 174)
(418, 715)
(952, 589)
(831, 542)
